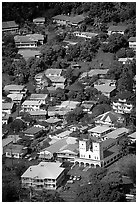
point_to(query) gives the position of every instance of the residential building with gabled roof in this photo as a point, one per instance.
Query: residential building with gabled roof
(10, 26)
(16, 151)
(15, 89)
(8, 107)
(16, 98)
(39, 21)
(31, 105)
(100, 131)
(132, 43)
(117, 29)
(33, 132)
(39, 97)
(109, 118)
(45, 175)
(105, 89)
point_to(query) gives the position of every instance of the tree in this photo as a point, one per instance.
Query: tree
(17, 125)
(97, 174)
(75, 115)
(124, 146)
(10, 193)
(125, 83)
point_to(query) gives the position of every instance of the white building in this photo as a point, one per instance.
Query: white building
(39, 21)
(86, 35)
(39, 97)
(30, 105)
(122, 106)
(15, 89)
(10, 27)
(132, 43)
(117, 29)
(45, 175)
(100, 131)
(7, 107)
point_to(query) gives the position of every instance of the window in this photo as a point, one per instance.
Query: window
(89, 156)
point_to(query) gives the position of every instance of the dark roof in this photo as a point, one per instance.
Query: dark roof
(71, 19)
(77, 86)
(9, 24)
(32, 130)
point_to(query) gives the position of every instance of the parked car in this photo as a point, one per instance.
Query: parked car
(70, 181)
(78, 178)
(75, 178)
(71, 177)
(30, 159)
(27, 156)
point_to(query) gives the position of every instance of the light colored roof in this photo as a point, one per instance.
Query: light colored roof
(99, 129)
(38, 96)
(5, 116)
(14, 148)
(133, 135)
(97, 71)
(7, 106)
(87, 34)
(117, 28)
(53, 120)
(53, 72)
(16, 97)
(105, 88)
(62, 144)
(30, 102)
(39, 19)
(64, 134)
(28, 38)
(6, 141)
(38, 112)
(56, 78)
(9, 24)
(27, 53)
(14, 87)
(117, 133)
(125, 59)
(33, 130)
(69, 104)
(44, 170)
(132, 39)
(73, 19)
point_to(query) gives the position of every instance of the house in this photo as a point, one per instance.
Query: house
(63, 134)
(15, 151)
(29, 41)
(29, 105)
(66, 149)
(53, 72)
(10, 27)
(5, 143)
(88, 105)
(99, 72)
(45, 175)
(122, 106)
(132, 43)
(26, 54)
(5, 118)
(86, 35)
(70, 105)
(96, 153)
(16, 98)
(117, 133)
(39, 97)
(117, 29)
(8, 108)
(132, 137)
(100, 131)
(109, 82)
(39, 21)
(39, 114)
(42, 81)
(109, 118)
(15, 89)
(126, 60)
(106, 90)
(54, 110)
(33, 132)
(63, 20)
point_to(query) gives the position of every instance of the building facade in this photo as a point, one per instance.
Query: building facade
(122, 106)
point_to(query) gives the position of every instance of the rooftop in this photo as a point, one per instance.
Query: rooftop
(17, 97)
(117, 133)
(31, 103)
(27, 53)
(73, 19)
(6, 141)
(7, 106)
(28, 38)
(109, 116)
(99, 129)
(105, 88)
(38, 112)
(132, 39)
(33, 130)
(39, 19)
(38, 96)
(14, 148)
(53, 72)
(57, 78)
(117, 28)
(13, 87)
(44, 170)
(9, 24)
(53, 120)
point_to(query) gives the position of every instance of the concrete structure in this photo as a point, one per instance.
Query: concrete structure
(94, 153)
(29, 41)
(109, 118)
(15, 89)
(106, 90)
(33, 132)
(29, 105)
(132, 43)
(45, 175)
(39, 21)
(39, 114)
(122, 106)
(117, 29)
(70, 105)
(10, 27)
(7, 107)
(5, 118)
(15, 151)
(100, 131)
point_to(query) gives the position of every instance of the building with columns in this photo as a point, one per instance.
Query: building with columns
(97, 153)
